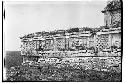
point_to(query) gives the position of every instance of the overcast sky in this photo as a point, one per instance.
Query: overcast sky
(28, 17)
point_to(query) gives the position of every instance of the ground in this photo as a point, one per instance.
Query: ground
(66, 73)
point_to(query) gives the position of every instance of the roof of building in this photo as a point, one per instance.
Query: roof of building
(43, 33)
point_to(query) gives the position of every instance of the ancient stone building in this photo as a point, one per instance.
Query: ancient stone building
(110, 35)
(77, 44)
(112, 14)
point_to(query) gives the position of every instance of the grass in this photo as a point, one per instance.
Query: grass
(13, 58)
(52, 73)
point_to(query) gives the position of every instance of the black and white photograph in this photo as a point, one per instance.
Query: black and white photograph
(62, 41)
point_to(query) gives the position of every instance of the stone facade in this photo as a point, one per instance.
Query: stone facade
(79, 44)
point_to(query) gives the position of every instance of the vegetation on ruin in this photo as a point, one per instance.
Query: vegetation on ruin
(65, 73)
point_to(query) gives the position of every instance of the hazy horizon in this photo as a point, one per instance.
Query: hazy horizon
(25, 17)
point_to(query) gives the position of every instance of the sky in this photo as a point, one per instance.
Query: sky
(23, 17)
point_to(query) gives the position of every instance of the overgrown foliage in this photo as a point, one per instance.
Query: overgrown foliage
(63, 72)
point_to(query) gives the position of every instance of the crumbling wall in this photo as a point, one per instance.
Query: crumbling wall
(105, 62)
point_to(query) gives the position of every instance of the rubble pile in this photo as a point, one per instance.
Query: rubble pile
(60, 72)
